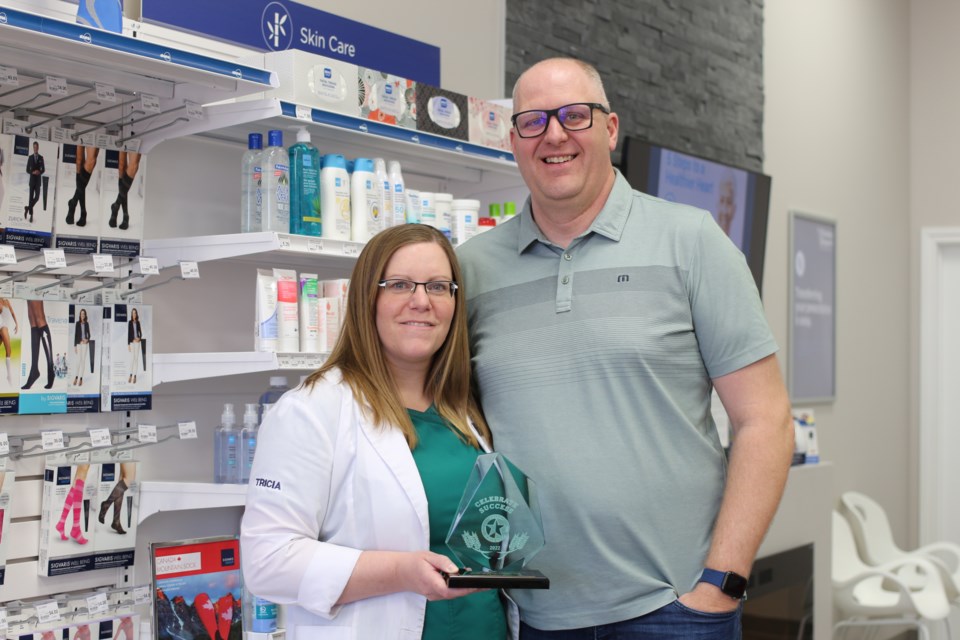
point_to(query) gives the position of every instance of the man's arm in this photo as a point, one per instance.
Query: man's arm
(756, 401)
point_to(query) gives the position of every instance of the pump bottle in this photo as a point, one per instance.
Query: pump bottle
(248, 441)
(226, 453)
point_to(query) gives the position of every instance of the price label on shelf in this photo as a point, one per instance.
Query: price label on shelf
(149, 103)
(188, 430)
(97, 604)
(102, 263)
(284, 241)
(56, 86)
(189, 270)
(100, 438)
(51, 440)
(147, 433)
(149, 266)
(47, 612)
(141, 594)
(106, 92)
(8, 255)
(314, 245)
(351, 249)
(3, 621)
(194, 110)
(304, 113)
(8, 75)
(104, 140)
(54, 259)
(4, 444)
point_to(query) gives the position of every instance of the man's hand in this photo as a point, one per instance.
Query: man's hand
(709, 599)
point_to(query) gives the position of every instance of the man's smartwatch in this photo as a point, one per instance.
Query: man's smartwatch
(730, 583)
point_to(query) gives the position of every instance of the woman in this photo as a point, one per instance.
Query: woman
(6, 317)
(134, 336)
(359, 470)
(81, 344)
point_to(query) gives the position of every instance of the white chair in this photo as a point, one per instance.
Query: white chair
(876, 596)
(871, 529)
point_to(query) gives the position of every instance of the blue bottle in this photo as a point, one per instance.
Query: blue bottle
(304, 186)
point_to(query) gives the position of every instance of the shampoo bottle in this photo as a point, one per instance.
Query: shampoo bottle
(251, 175)
(383, 179)
(366, 216)
(248, 441)
(276, 184)
(304, 186)
(335, 197)
(399, 193)
(226, 469)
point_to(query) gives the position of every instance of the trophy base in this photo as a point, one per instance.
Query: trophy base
(526, 579)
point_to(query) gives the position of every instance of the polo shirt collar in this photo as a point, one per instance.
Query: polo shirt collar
(609, 222)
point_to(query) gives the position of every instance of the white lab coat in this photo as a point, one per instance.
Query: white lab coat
(326, 484)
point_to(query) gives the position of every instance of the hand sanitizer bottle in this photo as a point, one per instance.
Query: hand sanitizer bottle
(225, 448)
(248, 441)
(251, 175)
(276, 184)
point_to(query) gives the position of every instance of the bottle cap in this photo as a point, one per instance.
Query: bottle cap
(443, 197)
(510, 208)
(250, 414)
(334, 160)
(486, 222)
(363, 164)
(255, 141)
(473, 205)
(228, 417)
(494, 209)
(279, 381)
(303, 135)
(275, 138)
(380, 164)
(393, 166)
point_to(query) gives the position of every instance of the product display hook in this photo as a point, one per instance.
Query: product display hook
(127, 294)
(106, 125)
(61, 116)
(158, 128)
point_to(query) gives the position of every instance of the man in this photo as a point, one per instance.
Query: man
(600, 319)
(35, 168)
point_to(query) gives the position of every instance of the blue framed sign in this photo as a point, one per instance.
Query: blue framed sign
(277, 25)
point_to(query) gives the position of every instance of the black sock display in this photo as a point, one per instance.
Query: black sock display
(34, 357)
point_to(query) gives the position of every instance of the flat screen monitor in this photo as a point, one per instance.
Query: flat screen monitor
(738, 199)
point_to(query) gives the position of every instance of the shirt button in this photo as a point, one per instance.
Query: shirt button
(565, 279)
(567, 256)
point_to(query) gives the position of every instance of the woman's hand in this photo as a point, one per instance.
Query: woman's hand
(379, 573)
(422, 570)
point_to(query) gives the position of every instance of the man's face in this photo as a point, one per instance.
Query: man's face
(726, 206)
(36, 147)
(560, 167)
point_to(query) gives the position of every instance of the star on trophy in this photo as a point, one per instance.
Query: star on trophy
(497, 528)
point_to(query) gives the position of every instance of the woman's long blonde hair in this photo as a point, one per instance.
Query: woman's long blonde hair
(358, 353)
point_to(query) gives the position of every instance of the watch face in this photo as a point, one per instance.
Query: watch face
(734, 585)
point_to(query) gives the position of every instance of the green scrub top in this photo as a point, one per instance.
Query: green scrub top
(445, 462)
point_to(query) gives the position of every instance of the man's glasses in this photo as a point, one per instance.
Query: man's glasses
(407, 287)
(572, 117)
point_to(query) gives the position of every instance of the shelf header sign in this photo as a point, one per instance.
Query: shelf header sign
(278, 25)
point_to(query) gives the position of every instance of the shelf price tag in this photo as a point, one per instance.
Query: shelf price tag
(54, 259)
(149, 103)
(351, 249)
(51, 440)
(304, 113)
(102, 263)
(8, 75)
(100, 438)
(56, 86)
(189, 270)
(188, 430)
(284, 241)
(47, 612)
(8, 255)
(141, 594)
(147, 433)
(97, 604)
(4, 444)
(105, 92)
(3, 621)
(314, 245)
(194, 110)
(149, 266)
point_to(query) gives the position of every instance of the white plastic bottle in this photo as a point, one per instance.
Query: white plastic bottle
(335, 197)
(366, 216)
(399, 193)
(443, 205)
(226, 465)
(250, 177)
(428, 210)
(248, 441)
(276, 184)
(464, 220)
(413, 206)
(383, 179)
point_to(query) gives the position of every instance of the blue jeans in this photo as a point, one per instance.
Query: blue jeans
(673, 621)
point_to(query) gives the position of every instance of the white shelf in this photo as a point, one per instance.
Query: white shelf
(267, 246)
(157, 497)
(176, 367)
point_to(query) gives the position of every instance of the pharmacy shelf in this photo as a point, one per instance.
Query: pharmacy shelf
(267, 246)
(157, 497)
(37, 46)
(177, 367)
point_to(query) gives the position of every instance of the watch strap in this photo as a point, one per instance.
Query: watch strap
(735, 588)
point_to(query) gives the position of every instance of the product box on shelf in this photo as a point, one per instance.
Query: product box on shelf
(337, 290)
(77, 209)
(44, 349)
(125, 626)
(387, 98)
(83, 361)
(441, 112)
(67, 535)
(7, 477)
(14, 325)
(309, 79)
(489, 124)
(122, 187)
(29, 166)
(117, 507)
(126, 358)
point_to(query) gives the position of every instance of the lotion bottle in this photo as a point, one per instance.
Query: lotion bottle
(335, 197)
(399, 193)
(383, 179)
(366, 217)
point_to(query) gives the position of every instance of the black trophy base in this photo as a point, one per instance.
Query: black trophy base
(526, 579)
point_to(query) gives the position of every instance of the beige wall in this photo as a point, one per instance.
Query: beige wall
(836, 138)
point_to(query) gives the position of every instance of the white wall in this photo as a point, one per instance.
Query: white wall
(837, 144)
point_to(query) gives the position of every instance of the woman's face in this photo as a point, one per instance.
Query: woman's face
(413, 326)
(134, 315)
(83, 315)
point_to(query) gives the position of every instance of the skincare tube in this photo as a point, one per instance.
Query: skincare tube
(329, 323)
(288, 340)
(309, 313)
(266, 329)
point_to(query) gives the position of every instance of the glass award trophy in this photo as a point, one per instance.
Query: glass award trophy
(497, 528)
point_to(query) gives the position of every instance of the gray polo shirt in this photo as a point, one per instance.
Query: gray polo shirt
(594, 366)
